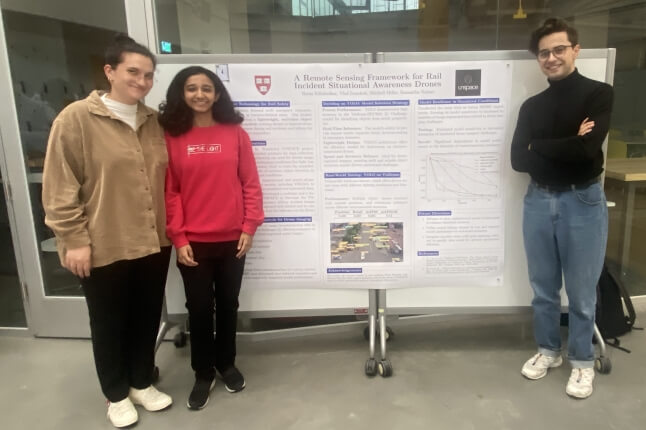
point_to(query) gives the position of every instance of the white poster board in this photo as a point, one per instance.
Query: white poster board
(384, 175)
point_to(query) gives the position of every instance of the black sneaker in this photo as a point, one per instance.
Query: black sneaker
(200, 395)
(233, 379)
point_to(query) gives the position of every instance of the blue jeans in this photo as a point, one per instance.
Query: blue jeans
(565, 236)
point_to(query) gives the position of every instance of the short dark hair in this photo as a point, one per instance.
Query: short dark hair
(552, 25)
(177, 118)
(122, 44)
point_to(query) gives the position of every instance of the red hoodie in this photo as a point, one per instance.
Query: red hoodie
(212, 187)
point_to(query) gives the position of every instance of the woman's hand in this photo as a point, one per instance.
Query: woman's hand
(77, 261)
(244, 244)
(185, 256)
(585, 127)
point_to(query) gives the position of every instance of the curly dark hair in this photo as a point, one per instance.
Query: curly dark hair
(177, 118)
(552, 25)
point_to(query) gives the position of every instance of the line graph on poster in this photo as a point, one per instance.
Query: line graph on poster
(462, 176)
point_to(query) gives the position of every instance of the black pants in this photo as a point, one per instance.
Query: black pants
(214, 282)
(124, 300)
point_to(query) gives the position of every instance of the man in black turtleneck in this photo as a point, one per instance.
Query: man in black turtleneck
(558, 141)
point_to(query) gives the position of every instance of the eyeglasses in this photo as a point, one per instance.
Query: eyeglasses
(544, 54)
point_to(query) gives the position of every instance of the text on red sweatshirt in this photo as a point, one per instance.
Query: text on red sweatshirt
(212, 187)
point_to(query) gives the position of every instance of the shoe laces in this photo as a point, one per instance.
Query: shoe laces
(582, 376)
(543, 359)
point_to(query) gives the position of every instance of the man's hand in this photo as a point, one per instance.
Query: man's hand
(585, 127)
(244, 244)
(185, 256)
(77, 261)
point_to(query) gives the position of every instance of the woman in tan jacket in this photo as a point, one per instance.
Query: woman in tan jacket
(103, 194)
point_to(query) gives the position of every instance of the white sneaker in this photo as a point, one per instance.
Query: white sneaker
(123, 413)
(580, 383)
(150, 398)
(536, 367)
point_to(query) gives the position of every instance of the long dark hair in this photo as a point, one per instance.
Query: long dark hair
(177, 118)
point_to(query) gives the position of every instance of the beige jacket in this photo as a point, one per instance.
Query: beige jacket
(103, 183)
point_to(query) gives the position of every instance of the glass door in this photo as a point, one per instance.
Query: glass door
(51, 54)
(12, 309)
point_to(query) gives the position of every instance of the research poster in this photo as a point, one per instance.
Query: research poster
(382, 175)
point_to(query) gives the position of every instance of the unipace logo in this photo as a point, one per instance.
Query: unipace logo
(263, 83)
(467, 82)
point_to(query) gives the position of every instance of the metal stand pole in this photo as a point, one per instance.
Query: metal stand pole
(371, 363)
(384, 367)
(602, 363)
(377, 318)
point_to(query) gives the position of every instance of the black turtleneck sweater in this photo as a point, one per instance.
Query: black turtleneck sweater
(545, 142)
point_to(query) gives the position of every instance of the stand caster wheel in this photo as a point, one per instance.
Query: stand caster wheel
(389, 333)
(385, 368)
(603, 365)
(180, 340)
(155, 374)
(371, 367)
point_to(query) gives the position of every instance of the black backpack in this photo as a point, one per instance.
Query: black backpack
(611, 317)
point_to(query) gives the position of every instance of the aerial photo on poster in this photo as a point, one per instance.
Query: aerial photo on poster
(367, 242)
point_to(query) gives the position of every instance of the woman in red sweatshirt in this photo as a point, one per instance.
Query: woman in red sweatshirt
(213, 208)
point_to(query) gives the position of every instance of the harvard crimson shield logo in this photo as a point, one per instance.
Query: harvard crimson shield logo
(263, 83)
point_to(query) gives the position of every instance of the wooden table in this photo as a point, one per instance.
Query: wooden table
(632, 172)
